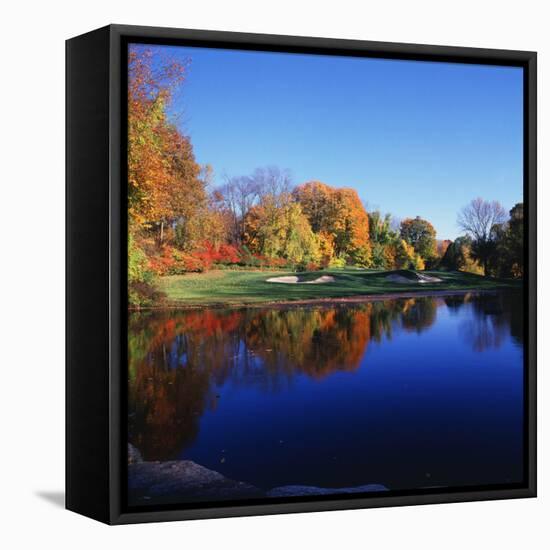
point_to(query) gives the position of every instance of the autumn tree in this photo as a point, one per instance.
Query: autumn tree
(218, 220)
(318, 204)
(240, 193)
(185, 196)
(149, 91)
(340, 216)
(301, 244)
(406, 257)
(352, 228)
(166, 184)
(277, 227)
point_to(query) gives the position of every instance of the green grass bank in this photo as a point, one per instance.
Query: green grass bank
(250, 287)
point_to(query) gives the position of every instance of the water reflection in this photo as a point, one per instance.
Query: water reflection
(494, 320)
(179, 360)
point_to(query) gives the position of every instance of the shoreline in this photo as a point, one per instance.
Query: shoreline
(176, 481)
(357, 299)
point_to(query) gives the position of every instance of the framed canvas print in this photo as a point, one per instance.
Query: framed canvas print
(301, 274)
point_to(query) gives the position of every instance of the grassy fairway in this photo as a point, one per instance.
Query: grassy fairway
(249, 287)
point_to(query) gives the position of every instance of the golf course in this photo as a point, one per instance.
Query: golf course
(234, 287)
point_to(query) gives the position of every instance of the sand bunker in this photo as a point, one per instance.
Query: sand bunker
(295, 280)
(419, 279)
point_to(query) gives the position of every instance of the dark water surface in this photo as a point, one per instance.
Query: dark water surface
(407, 393)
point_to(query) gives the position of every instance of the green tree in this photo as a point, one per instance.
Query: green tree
(507, 239)
(515, 237)
(141, 279)
(478, 219)
(458, 256)
(420, 234)
(455, 256)
(383, 240)
(380, 228)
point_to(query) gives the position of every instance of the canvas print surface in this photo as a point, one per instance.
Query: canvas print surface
(325, 276)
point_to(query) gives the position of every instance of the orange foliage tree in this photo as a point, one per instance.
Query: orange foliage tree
(164, 180)
(340, 216)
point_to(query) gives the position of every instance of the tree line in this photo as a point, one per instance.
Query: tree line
(493, 240)
(179, 222)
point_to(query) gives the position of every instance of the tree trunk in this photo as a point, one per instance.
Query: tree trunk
(161, 236)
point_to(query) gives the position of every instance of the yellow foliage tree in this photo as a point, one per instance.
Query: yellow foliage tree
(277, 228)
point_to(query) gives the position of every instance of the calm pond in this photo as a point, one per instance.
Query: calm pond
(407, 393)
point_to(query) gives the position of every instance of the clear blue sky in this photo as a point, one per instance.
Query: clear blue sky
(413, 138)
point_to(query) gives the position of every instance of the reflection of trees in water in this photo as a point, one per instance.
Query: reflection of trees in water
(171, 361)
(383, 317)
(316, 341)
(164, 409)
(419, 314)
(495, 316)
(178, 358)
(454, 303)
(514, 307)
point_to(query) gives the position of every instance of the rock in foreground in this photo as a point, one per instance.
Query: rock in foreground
(178, 481)
(181, 481)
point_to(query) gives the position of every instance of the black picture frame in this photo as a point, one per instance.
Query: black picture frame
(96, 290)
